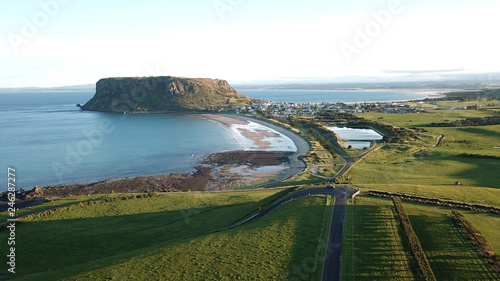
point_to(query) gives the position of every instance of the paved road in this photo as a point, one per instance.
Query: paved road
(296, 195)
(333, 258)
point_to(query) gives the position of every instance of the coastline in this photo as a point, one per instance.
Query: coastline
(264, 163)
(295, 166)
(254, 136)
(429, 93)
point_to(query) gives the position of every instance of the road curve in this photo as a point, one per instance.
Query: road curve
(296, 195)
(331, 269)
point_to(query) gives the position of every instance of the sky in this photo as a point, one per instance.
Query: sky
(48, 43)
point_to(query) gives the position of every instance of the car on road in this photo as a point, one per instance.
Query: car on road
(329, 186)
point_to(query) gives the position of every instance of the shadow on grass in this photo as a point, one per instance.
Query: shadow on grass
(448, 251)
(484, 173)
(373, 245)
(479, 131)
(307, 257)
(53, 245)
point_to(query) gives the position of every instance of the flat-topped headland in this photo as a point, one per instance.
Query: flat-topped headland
(162, 94)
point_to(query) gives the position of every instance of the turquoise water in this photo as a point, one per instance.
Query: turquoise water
(330, 96)
(49, 141)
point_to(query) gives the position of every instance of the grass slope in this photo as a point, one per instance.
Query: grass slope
(94, 232)
(284, 244)
(451, 255)
(489, 225)
(421, 167)
(373, 247)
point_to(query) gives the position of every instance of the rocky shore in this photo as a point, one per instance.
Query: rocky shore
(224, 170)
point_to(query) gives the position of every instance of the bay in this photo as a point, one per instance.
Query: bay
(331, 96)
(48, 140)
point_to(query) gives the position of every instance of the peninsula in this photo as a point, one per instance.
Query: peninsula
(163, 94)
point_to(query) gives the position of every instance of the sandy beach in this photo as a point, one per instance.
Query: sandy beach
(429, 93)
(261, 136)
(271, 155)
(254, 136)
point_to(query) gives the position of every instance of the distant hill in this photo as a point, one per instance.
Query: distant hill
(73, 88)
(162, 94)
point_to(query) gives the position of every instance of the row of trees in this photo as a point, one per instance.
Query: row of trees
(324, 137)
(476, 121)
(477, 239)
(479, 156)
(424, 267)
(392, 134)
(440, 202)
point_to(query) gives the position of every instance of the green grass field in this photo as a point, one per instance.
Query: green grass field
(184, 236)
(410, 120)
(284, 244)
(450, 254)
(489, 225)
(94, 232)
(57, 203)
(373, 248)
(419, 167)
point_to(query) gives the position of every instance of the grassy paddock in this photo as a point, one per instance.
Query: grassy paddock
(420, 168)
(473, 195)
(280, 245)
(58, 203)
(489, 225)
(94, 232)
(373, 247)
(409, 120)
(451, 255)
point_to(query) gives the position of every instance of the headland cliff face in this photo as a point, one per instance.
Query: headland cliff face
(162, 94)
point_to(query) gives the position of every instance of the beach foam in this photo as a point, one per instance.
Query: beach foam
(256, 137)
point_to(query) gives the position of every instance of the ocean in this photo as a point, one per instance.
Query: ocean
(49, 141)
(331, 96)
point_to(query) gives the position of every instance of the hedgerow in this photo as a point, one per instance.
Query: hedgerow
(477, 239)
(424, 268)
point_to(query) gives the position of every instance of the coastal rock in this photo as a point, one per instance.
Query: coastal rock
(163, 94)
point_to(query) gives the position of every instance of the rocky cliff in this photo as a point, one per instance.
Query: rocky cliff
(162, 94)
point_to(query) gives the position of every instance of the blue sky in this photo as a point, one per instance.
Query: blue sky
(68, 42)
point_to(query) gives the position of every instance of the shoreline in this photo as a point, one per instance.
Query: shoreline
(253, 136)
(294, 167)
(255, 166)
